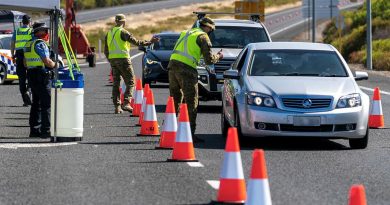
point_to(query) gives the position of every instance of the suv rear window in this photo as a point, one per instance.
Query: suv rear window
(237, 37)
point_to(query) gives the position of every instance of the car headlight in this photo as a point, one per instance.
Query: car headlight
(150, 61)
(259, 99)
(351, 100)
(201, 64)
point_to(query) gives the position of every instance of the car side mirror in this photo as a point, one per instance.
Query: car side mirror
(361, 75)
(142, 48)
(231, 74)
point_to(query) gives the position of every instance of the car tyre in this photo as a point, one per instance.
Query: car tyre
(3, 74)
(224, 125)
(360, 143)
(243, 140)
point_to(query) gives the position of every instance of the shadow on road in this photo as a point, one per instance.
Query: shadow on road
(18, 113)
(159, 85)
(215, 141)
(117, 143)
(16, 118)
(209, 109)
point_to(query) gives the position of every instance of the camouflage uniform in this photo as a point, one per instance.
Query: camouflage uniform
(183, 80)
(123, 67)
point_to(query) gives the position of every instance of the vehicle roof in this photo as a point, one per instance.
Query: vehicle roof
(168, 33)
(5, 35)
(290, 46)
(237, 22)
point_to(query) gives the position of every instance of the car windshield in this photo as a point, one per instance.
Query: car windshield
(237, 37)
(165, 43)
(5, 43)
(296, 63)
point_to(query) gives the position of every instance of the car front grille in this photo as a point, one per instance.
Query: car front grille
(223, 65)
(299, 103)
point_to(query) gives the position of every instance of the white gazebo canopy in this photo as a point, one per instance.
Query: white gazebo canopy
(30, 5)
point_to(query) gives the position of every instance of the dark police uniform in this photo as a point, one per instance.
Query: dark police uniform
(21, 36)
(39, 80)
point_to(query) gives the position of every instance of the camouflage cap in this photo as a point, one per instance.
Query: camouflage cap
(206, 21)
(120, 17)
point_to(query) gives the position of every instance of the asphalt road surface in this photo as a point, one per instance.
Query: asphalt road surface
(113, 166)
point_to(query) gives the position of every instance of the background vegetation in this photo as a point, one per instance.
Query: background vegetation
(352, 42)
(89, 4)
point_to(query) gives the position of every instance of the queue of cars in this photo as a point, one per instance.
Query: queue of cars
(274, 89)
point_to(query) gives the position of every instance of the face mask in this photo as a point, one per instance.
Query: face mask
(44, 37)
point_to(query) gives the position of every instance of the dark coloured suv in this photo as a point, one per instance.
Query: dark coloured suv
(156, 58)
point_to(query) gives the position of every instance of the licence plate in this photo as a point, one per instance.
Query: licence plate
(307, 121)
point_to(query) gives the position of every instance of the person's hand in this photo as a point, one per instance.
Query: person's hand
(13, 59)
(220, 54)
(155, 39)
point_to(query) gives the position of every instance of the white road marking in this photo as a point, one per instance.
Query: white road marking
(34, 145)
(372, 90)
(214, 184)
(195, 164)
(105, 62)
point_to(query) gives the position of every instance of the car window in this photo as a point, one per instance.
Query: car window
(296, 63)
(165, 43)
(240, 60)
(5, 43)
(237, 37)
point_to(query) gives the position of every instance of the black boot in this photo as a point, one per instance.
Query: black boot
(26, 99)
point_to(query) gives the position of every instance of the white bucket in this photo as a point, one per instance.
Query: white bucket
(70, 112)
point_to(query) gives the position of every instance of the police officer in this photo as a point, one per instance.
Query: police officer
(192, 45)
(117, 51)
(19, 39)
(39, 65)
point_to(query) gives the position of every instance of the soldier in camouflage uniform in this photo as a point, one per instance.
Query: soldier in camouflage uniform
(183, 76)
(117, 51)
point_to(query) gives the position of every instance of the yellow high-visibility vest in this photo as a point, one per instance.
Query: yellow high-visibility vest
(186, 49)
(22, 36)
(117, 48)
(32, 58)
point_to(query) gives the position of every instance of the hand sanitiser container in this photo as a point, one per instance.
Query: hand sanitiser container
(70, 107)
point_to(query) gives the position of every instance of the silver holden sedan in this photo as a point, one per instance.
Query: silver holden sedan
(295, 89)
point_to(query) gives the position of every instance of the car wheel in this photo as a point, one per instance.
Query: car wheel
(360, 143)
(237, 124)
(3, 74)
(144, 81)
(224, 125)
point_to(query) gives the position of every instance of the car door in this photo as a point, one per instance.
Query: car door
(232, 86)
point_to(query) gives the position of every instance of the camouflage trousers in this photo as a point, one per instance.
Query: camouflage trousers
(122, 67)
(183, 84)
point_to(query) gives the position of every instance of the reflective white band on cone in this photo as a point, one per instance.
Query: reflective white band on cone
(170, 124)
(258, 192)
(150, 113)
(138, 96)
(376, 108)
(184, 132)
(232, 166)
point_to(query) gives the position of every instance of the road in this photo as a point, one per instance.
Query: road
(113, 166)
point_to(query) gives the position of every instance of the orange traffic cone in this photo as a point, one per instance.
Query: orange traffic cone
(168, 134)
(149, 125)
(376, 119)
(139, 94)
(258, 187)
(111, 79)
(357, 195)
(141, 115)
(232, 183)
(183, 149)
